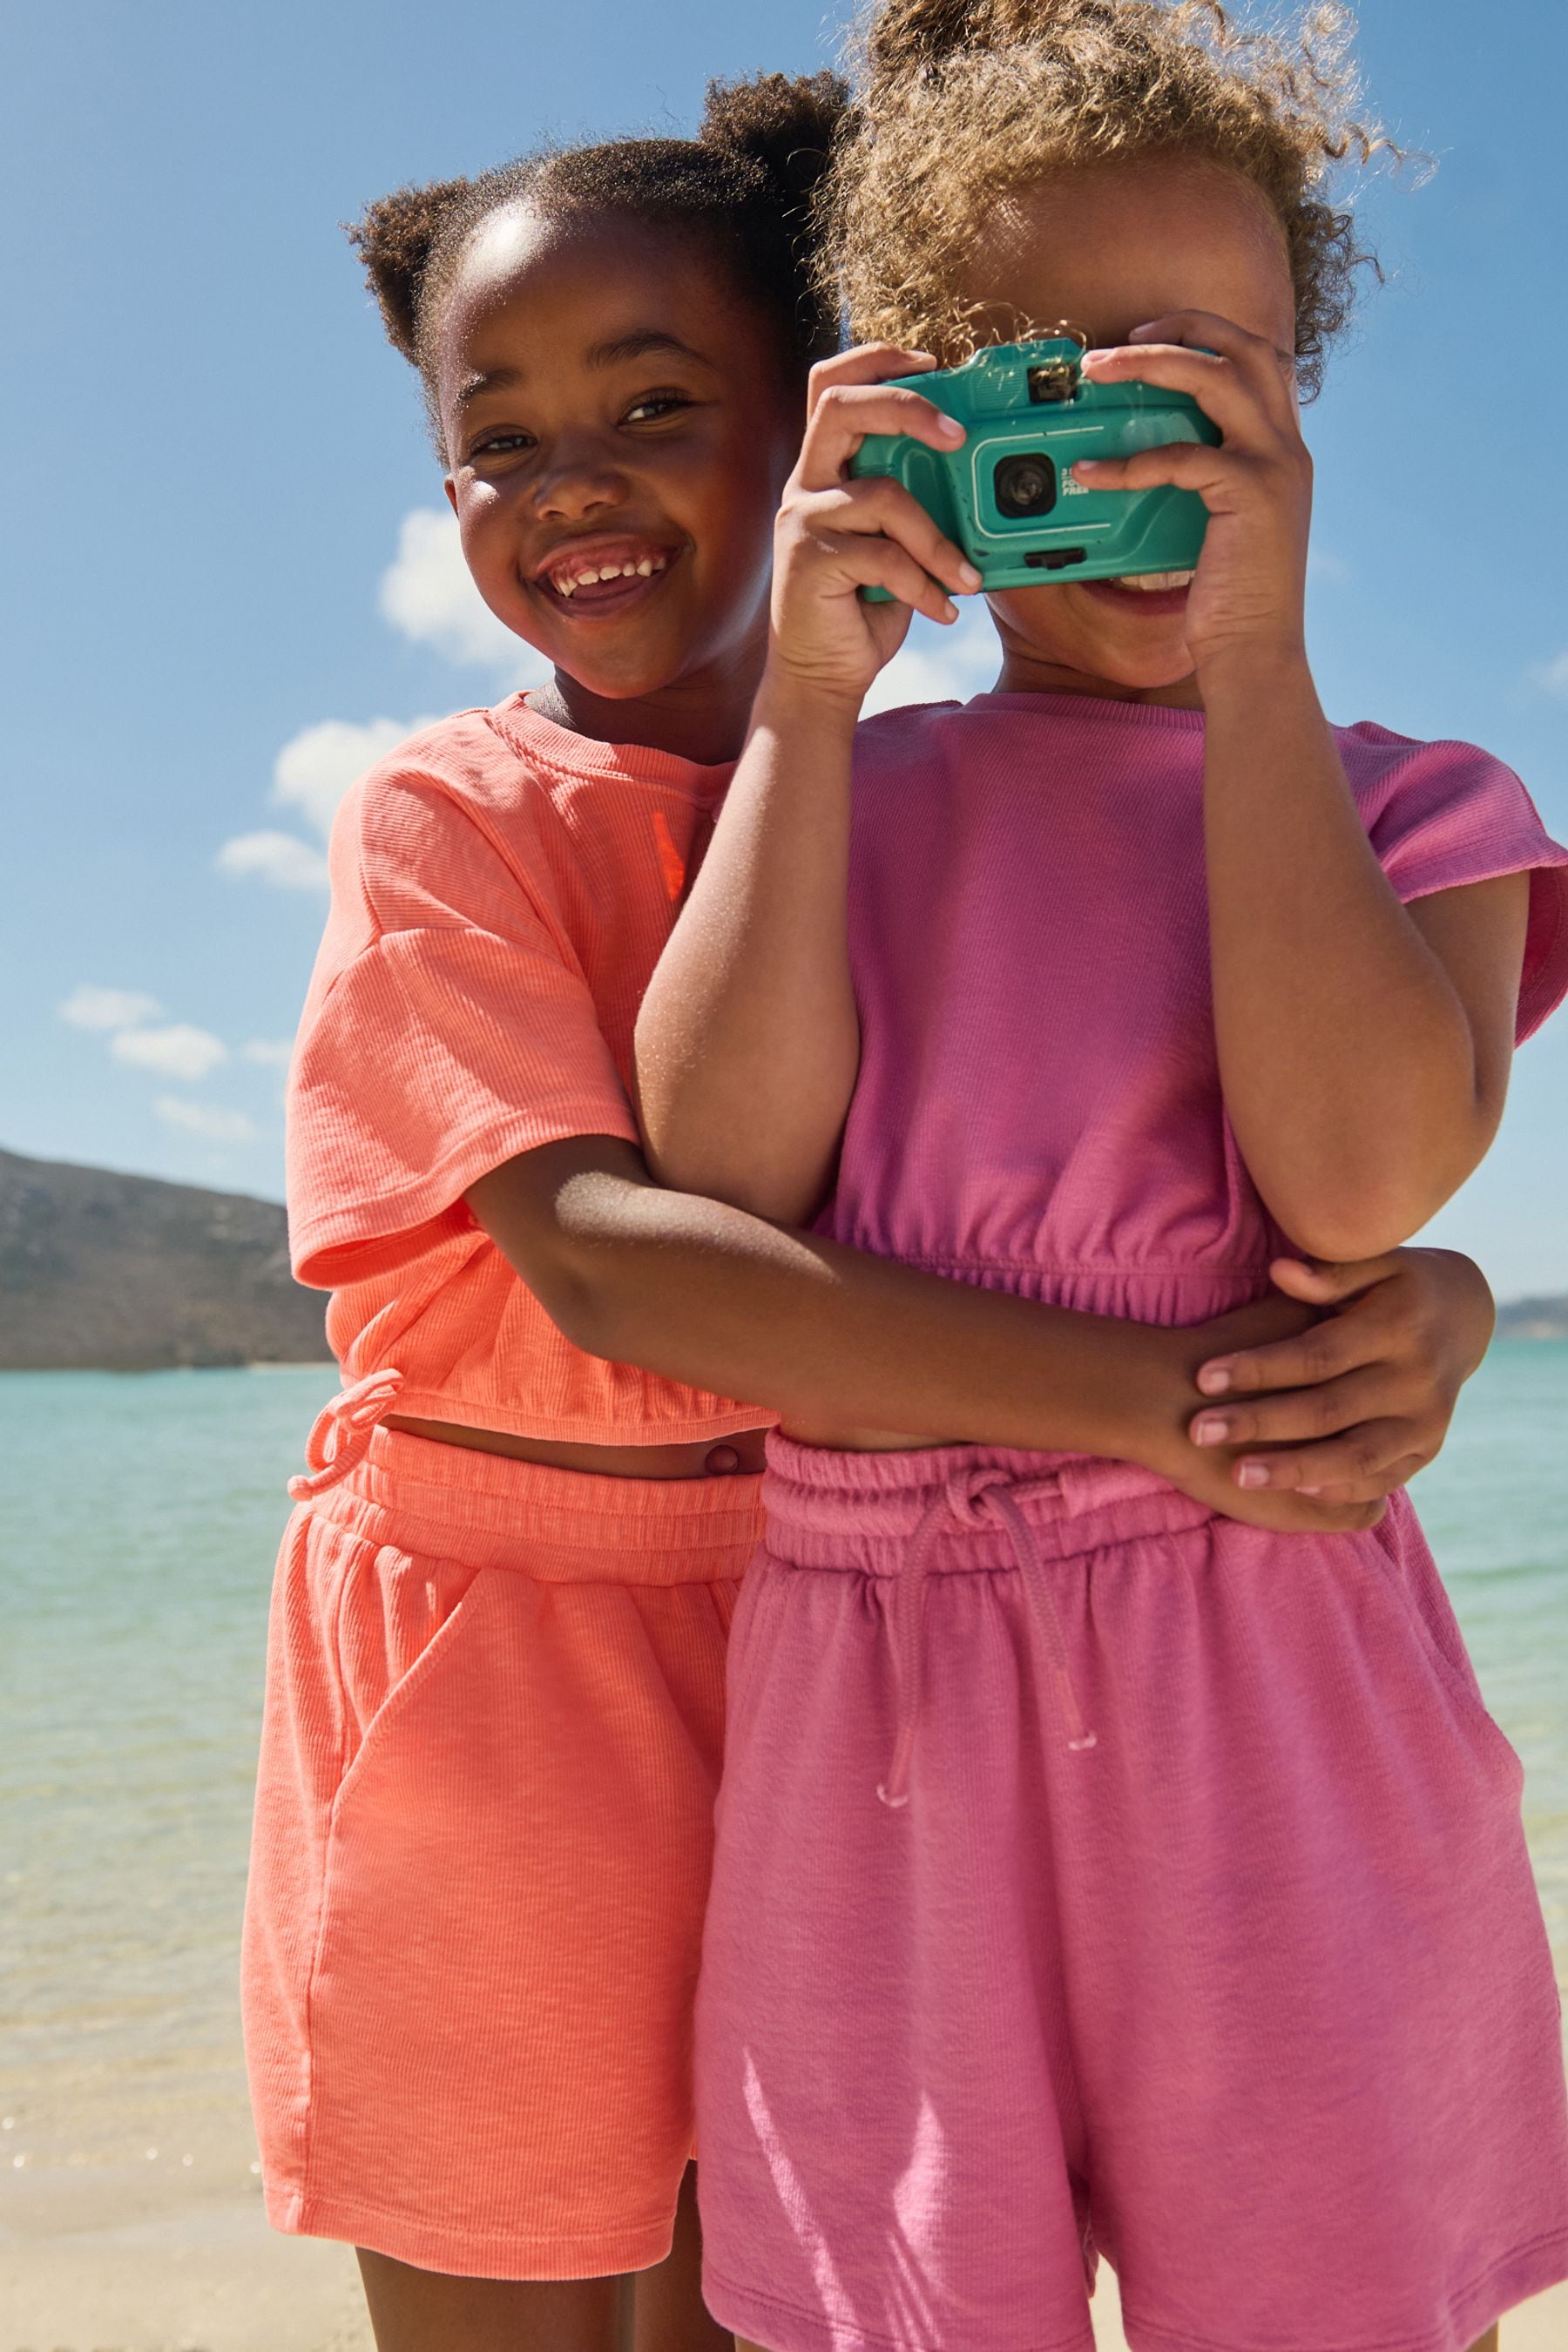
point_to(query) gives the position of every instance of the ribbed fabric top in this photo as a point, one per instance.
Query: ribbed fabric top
(501, 891)
(1039, 1106)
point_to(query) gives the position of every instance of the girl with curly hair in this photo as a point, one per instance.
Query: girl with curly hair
(495, 1691)
(1096, 1873)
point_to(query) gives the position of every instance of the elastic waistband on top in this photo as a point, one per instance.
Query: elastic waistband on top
(562, 1526)
(859, 1511)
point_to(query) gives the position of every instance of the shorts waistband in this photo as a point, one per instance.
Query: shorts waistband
(859, 1512)
(951, 1509)
(562, 1526)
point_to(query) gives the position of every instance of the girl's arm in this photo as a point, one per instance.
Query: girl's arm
(1364, 1045)
(748, 1045)
(709, 1295)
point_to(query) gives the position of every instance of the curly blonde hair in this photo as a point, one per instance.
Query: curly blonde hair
(962, 102)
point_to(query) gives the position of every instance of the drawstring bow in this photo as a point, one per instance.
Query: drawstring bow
(340, 1434)
(971, 1498)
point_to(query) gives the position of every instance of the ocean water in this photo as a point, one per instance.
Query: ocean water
(139, 1516)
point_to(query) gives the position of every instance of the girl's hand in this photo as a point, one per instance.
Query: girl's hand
(1355, 1405)
(836, 536)
(1250, 587)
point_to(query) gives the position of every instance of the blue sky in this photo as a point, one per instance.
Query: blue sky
(228, 579)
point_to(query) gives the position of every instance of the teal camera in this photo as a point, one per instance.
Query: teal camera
(1007, 498)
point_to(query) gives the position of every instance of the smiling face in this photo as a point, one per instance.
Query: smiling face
(1113, 247)
(619, 424)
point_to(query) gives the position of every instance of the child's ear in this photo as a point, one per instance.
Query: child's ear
(450, 486)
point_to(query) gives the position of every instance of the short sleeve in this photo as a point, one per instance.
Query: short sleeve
(448, 1027)
(1446, 814)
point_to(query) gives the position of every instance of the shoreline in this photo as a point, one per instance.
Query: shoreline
(1522, 1322)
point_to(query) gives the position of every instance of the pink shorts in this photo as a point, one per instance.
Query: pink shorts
(1094, 1874)
(495, 1706)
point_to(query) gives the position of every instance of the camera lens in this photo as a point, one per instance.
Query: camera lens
(1024, 486)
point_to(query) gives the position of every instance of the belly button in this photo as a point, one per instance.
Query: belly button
(722, 1460)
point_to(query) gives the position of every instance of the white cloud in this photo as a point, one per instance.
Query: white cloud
(427, 595)
(108, 1008)
(312, 773)
(277, 1053)
(280, 858)
(1331, 570)
(316, 767)
(1553, 677)
(938, 664)
(206, 1119)
(179, 1051)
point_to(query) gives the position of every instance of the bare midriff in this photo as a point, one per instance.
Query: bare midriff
(859, 1441)
(738, 1455)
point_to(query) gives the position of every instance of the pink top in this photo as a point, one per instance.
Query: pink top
(1038, 1107)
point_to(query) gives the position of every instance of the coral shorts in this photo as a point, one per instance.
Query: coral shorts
(483, 1831)
(1095, 1874)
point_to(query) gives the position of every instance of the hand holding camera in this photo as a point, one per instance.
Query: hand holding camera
(837, 537)
(1041, 463)
(1257, 488)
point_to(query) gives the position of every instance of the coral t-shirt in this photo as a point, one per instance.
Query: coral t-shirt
(501, 891)
(1038, 1107)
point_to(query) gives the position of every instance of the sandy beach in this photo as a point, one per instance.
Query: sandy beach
(110, 2270)
(161, 2256)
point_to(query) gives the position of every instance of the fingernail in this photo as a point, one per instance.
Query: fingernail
(1214, 1379)
(952, 430)
(1212, 1430)
(968, 575)
(1309, 1490)
(948, 609)
(1252, 1473)
(1087, 465)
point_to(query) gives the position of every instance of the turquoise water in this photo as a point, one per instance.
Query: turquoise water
(139, 1516)
(138, 1521)
(1495, 1508)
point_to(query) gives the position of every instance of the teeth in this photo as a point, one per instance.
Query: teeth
(568, 583)
(1152, 583)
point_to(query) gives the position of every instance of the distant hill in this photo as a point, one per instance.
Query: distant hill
(124, 1274)
(1533, 1318)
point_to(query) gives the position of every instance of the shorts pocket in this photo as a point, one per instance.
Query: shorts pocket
(1409, 1574)
(399, 1621)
